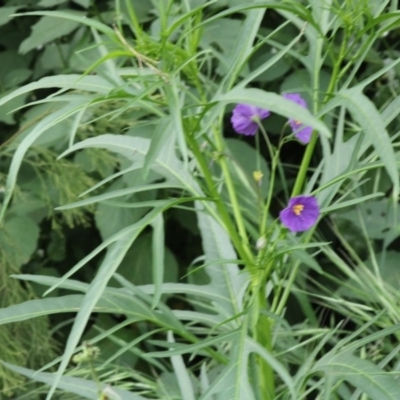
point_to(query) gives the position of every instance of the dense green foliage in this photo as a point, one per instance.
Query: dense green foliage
(141, 255)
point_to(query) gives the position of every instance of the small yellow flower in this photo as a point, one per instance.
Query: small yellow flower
(257, 176)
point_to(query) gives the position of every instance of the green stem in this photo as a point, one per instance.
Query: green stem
(261, 332)
(137, 30)
(274, 162)
(237, 214)
(301, 176)
(258, 157)
(229, 225)
(305, 162)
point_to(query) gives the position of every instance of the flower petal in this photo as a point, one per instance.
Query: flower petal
(300, 221)
(244, 116)
(302, 132)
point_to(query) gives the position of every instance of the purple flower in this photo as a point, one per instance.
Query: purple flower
(301, 131)
(301, 213)
(245, 116)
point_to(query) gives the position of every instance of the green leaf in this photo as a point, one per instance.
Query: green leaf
(110, 219)
(82, 387)
(349, 203)
(389, 270)
(18, 239)
(391, 111)
(232, 383)
(168, 288)
(75, 17)
(192, 348)
(226, 279)
(275, 365)
(27, 142)
(17, 76)
(7, 110)
(224, 33)
(138, 262)
(90, 83)
(381, 220)
(46, 30)
(119, 193)
(158, 140)
(362, 374)
(158, 251)
(135, 148)
(108, 267)
(36, 308)
(244, 46)
(367, 116)
(51, 3)
(82, 3)
(182, 374)
(245, 158)
(10, 60)
(6, 13)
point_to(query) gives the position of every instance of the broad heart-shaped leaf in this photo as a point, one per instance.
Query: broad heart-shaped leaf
(48, 29)
(244, 46)
(388, 267)
(275, 103)
(225, 33)
(18, 238)
(7, 110)
(245, 163)
(71, 16)
(367, 116)
(6, 14)
(226, 279)
(381, 220)
(82, 387)
(362, 374)
(335, 164)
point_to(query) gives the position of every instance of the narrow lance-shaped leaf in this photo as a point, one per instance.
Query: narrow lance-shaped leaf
(90, 83)
(181, 373)
(54, 305)
(367, 116)
(232, 383)
(226, 279)
(27, 142)
(158, 248)
(362, 374)
(82, 387)
(158, 139)
(114, 256)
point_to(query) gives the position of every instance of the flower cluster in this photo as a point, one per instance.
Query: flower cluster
(303, 211)
(245, 119)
